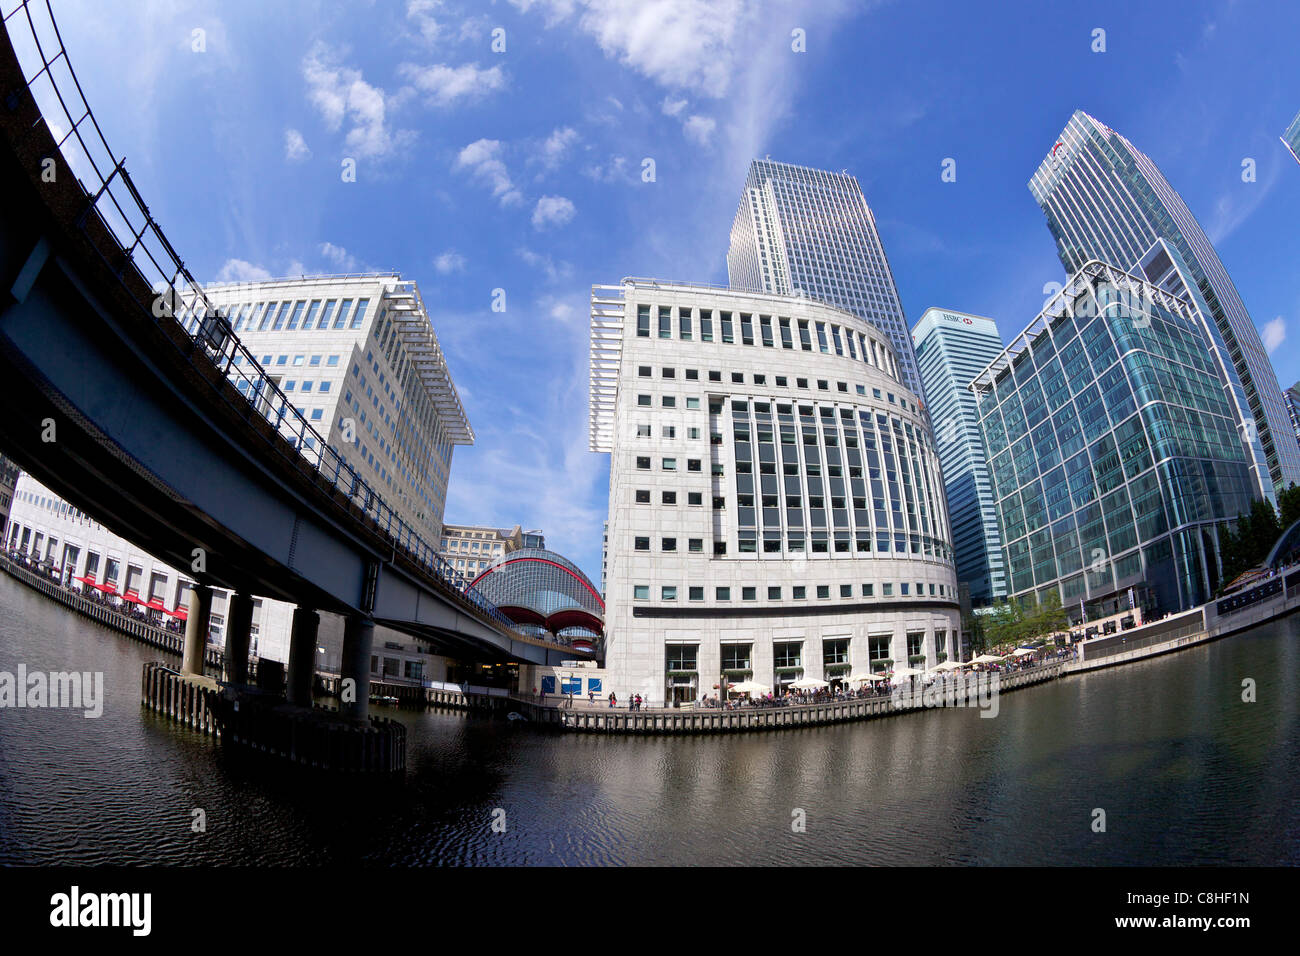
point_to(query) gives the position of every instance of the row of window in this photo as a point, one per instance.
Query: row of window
(759, 378)
(829, 336)
(798, 592)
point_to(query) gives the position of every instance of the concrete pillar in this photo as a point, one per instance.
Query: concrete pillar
(302, 656)
(196, 629)
(239, 628)
(358, 640)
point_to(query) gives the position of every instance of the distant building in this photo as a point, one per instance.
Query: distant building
(1113, 449)
(8, 482)
(470, 549)
(951, 349)
(1292, 398)
(1104, 199)
(1291, 138)
(810, 231)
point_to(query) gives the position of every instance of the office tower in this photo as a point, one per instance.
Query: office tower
(359, 357)
(1106, 200)
(1113, 449)
(1292, 396)
(1291, 138)
(776, 509)
(951, 349)
(800, 230)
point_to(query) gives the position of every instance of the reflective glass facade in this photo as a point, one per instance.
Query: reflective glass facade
(1112, 447)
(1106, 200)
(1291, 137)
(811, 231)
(951, 349)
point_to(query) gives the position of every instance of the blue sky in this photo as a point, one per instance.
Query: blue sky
(521, 169)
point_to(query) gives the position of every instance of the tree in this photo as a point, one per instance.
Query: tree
(1289, 502)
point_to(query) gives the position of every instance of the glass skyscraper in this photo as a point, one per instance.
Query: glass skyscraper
(951, 349)
(1291, 138)
(1113, 449)
(800, 230)
(1106, 200)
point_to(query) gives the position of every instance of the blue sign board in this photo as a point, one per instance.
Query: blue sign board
(548, 685)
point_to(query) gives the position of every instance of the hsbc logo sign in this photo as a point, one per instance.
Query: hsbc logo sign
(949, 317)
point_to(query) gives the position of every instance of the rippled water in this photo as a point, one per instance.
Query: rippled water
(1186, 772)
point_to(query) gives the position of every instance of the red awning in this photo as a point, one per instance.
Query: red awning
(86, 579)
(108, 587)
(156, 604)
(133, 597)
(180, 612)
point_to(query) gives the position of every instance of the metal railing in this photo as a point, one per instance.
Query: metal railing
(111, 196)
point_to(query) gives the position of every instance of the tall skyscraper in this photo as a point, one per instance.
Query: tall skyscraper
(811, 231)
(1292, 396)
(1106, 200)
(951, 349)
(1291, 138)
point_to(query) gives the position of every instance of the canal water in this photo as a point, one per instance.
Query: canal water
(1184, 770)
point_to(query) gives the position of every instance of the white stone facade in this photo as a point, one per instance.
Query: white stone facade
(818, 546)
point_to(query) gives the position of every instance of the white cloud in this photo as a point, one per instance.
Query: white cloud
(342, 95)
(1235, 207)
(449, 261)
(420, 12)
(557, 146)
(338, 257)
(700, 129)
(295, 147)
(444, 85)
(673, 107)
(552, 211)
(239, 270)
(1274, 334)
(482, 159)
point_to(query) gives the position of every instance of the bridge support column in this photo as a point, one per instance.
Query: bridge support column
(358, 640)
(239, 629)
(196, 629)
(302, 656)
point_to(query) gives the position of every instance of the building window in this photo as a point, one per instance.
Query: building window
(640, 592)
(642, 544)
(669, 544)
(799, 592)
(749, 594)
(695, 545)
(643, 463)
(846, 590)
(696, 593)
(670, 498)
(722, 594)
(668, 593)
(643, 401)
(823, 591)
(694, 498)
(643, 321)
(693, 464)
(670, 464)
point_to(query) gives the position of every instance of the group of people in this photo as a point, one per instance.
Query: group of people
(95, 596)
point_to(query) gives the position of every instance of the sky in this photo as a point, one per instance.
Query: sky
(504, 146)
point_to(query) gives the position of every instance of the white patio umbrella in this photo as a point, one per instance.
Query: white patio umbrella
(856, 678)
(949, 666)
(810, 683)
(987, 659)
(1022, 651)
(905, 672)
(749, 687)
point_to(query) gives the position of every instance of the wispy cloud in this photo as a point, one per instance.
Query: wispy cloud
(342, 96)
(449, 261)
(482, 160)
(1274, 334)
(445, 86)
(238, 270)
(295, 147)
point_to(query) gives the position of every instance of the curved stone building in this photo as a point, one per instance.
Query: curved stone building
(776, 508)
(546, 593)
